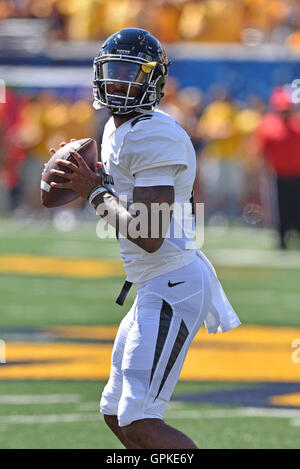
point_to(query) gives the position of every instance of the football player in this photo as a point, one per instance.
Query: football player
(148, 159)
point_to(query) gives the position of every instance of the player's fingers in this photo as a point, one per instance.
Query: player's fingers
(62, 144)
(52, 150)
(68, 164)
(79, 159)
(62, 185)
(99, 164)
(62, 174)
(73, 140)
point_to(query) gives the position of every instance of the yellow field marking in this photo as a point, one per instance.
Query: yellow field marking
(247, 272)
(292, 399)
(85, 332)
(249, 353)
(244, 336)
(60, 267)
(28, 264)
(69, 361)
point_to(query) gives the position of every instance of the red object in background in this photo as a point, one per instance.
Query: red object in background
(279, 142)
(281, 99)
(11, 171)
(12, 152)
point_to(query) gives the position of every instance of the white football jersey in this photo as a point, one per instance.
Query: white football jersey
(146, 142)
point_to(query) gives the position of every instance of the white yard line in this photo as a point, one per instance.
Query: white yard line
(233, 413)
(295, 422)
(54, 418)
(293, 414)
(39, 399)
(254, 257)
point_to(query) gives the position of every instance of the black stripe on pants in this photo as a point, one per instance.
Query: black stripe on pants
(166, 315)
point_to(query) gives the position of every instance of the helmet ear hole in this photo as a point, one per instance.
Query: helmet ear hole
(159, 87)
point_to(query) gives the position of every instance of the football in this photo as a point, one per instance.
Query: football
(54, 197)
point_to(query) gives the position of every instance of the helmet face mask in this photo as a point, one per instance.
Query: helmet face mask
(130, 72)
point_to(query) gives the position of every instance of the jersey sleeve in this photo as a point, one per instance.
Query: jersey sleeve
(153, 145)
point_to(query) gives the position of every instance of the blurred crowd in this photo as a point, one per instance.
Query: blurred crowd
(248, 21)
(248, 160)
(233, 179)
(223, 132)
(29, 125)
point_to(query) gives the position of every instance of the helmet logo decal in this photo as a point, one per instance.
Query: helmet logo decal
(147, 68)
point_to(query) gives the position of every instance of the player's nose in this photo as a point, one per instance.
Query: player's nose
(119, 87)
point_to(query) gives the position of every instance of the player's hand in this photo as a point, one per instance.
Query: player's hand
(81, 180)
(53, 151)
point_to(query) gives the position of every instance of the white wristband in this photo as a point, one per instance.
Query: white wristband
(96, 192)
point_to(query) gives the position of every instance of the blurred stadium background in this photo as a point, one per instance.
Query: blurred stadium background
(230, 87)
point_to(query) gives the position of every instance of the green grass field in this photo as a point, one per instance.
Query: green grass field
(261, 283)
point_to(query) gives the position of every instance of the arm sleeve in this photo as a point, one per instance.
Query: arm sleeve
(154, 145)
(163, 176)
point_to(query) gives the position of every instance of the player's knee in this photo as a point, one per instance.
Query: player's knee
(135, 430)
(131, 431)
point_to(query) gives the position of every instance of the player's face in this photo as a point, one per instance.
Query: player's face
(123, 72)
(121, 89)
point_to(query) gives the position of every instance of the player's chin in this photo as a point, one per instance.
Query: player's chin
(122, 116)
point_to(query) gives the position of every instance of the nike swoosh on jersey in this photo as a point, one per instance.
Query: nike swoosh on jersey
(174, 284)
